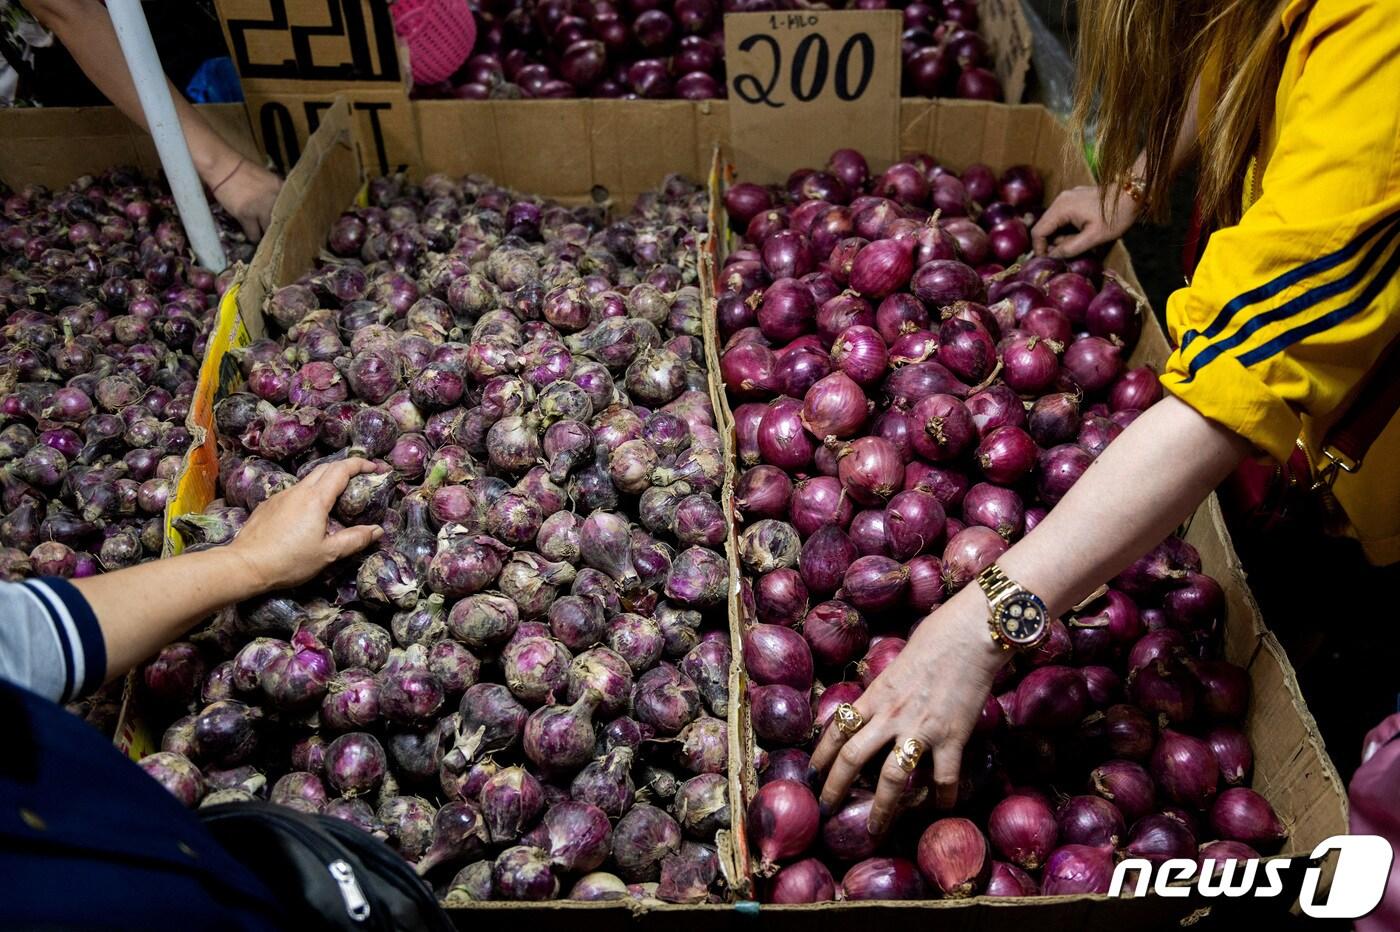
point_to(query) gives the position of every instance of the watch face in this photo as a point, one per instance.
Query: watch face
(1021, 619)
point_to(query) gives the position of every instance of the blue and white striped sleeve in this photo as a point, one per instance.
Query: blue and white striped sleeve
(50, 642)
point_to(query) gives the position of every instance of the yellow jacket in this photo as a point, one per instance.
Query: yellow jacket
(1290, 308)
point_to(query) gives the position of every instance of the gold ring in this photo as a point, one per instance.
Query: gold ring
(907, 754)
(848, 720)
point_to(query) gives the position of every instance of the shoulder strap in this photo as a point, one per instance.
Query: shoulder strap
(1368, 414)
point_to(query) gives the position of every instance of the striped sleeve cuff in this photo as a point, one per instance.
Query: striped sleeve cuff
(79, 635)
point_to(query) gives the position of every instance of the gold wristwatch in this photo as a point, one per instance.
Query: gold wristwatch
(1018, 617)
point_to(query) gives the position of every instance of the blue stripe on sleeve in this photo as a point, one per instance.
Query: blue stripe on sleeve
(90, 640)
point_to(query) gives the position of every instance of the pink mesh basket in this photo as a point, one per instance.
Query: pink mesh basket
(439, 35)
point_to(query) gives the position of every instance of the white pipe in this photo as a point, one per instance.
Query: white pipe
(139, 50)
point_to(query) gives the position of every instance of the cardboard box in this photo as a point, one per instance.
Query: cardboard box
(54, 145)
(1291, 766)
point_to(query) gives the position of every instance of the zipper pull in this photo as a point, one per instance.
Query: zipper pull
(355, 903)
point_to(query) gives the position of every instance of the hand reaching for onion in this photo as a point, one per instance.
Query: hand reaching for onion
(284, 542)
(933, 691)
(1100, 217)
(248, 193)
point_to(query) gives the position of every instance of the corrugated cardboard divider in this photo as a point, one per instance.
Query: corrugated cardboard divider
(1291, 765)
(575, 151)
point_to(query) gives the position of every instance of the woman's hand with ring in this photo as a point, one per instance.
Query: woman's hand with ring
(926, 702)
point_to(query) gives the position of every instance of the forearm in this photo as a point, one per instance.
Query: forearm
(142, 608)
(1136, 493)
(85, 29)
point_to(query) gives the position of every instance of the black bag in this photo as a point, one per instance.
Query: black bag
(327, 874)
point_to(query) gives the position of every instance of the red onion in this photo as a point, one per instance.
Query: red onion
(953, 857)
(1162, 644)
(904, 183)
(836, 633)
(1241, 814)
(1090, 820)
(1050, 698)
(944, 282)
(1136, 390)
(860, 352)
(798, 369)
(774, 654)
(818, 502)
(943, 427)
(1010, 880)
(748, 370)
(870, 469)
(846, 832)
(1049, 324)
(926, 589)
(996, 406)
(966, 348)
(1096, 433)
(835, 406)
(744, 201)
(914, 520)
(1030, 364)
(994, 507)
(642, 839)
(973, 244)
(1164, 687)
(787, 311)
(1127, 785)
(1007, 454)
(867, 532)
(847, 309)
(875, 583)
(882, 268)
(825, 557)
(782, 440)
(1224, 693)
(1023, 830)
(1058, 469)
(1159, 838)
(781, 715)
(805, 881)
(876, 659)
(1232, 753)
(968, 553)
(882, 878)
(1195, 603)
(781, 597)
(1093, 363)
(900, 314)
(979, 84)
(1114, 314)
(1185, 768)
(763, 492)
(787, 764)
(783, 822)
(1075, 869)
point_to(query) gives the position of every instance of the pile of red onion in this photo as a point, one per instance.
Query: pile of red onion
(106, 314)
(912, 393)
(524, 687)
(642, 49)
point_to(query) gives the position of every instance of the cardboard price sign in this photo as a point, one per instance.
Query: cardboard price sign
(384, 122)
(804, 83)
(276, 41)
